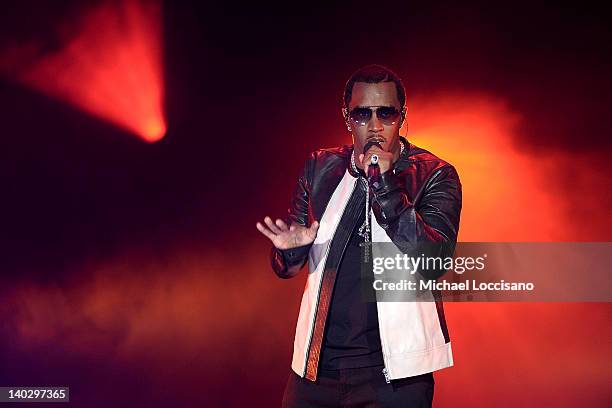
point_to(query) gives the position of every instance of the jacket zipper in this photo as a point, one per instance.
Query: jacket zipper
(383, 344)
(386, 374)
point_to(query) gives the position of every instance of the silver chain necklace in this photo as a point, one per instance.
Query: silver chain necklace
(364, 230)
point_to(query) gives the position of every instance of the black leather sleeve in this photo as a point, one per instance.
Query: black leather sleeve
(434, 220)
(287, 263)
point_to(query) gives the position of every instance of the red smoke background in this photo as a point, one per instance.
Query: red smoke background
(143, 141)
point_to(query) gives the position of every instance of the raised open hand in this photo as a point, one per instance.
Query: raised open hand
(284, 237)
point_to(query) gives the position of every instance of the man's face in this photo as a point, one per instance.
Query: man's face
(379, 127)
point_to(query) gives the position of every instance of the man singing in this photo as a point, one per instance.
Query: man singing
(348, 351)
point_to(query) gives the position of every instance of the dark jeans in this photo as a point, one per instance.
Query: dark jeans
(358, 387)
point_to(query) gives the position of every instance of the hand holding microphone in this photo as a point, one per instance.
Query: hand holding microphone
(374, 158)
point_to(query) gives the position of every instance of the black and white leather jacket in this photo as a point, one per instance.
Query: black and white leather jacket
(419, 200)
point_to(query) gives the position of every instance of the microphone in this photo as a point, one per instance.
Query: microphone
(373, 168)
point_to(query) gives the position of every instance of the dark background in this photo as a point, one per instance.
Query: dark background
(250, 90)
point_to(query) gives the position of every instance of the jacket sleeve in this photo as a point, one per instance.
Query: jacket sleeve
(287, 263)
(432, 224)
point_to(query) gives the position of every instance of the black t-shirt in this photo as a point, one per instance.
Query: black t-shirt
(351, 338)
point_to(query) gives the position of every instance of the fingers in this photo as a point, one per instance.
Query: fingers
(385, 159)
(371, 151)
(271, 225)
(272, 229)
(269, 234)
(364, 164)
(281, 224)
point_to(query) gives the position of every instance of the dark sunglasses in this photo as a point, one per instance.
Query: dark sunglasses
(388, 115)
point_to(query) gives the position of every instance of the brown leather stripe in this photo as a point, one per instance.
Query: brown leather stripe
(440, 310)
(338, 245)
(329, 279)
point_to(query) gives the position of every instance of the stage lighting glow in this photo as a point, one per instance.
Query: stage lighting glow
(502, 183)
(110, 67)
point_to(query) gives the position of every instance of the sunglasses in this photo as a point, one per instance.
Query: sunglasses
(388, 115)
